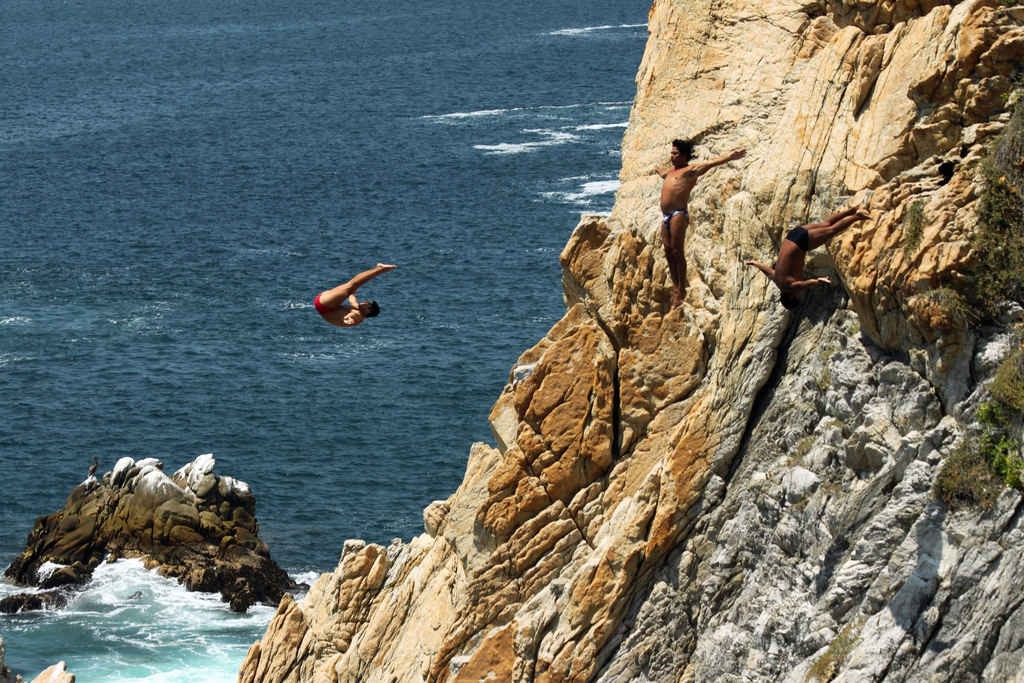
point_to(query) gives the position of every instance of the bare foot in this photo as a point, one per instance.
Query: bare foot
(677, 300)
(385, 267)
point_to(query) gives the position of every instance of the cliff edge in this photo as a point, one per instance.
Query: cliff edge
(729, 491)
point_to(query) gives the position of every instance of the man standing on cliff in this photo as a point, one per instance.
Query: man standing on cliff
(788, 270)
(675, 195)
(331, 306)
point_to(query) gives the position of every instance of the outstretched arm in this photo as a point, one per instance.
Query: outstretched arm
(814, 282)
(762, 267)
(661, 171)
(703, 167)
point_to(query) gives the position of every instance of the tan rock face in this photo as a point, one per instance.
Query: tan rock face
(57, 673)
(565, 434)
(619, 431)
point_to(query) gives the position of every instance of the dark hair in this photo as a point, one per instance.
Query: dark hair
(789, 300)
(685, 147)
(373, 310)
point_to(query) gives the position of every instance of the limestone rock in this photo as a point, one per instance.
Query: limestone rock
(729, 491)
(209, 542)
(58, 673)
(799, 483)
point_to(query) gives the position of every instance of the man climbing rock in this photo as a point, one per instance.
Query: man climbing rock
(788, 270)
(675, 196)
(331, 306)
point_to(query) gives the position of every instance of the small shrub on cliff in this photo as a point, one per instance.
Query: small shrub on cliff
(943, 308)
(1008, 385)
(913, 226)
(966, 479)
(998, 448)
(827, 666)
(978, 469)
(999, 271)
(803, 447)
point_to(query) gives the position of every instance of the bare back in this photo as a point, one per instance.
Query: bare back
(675, 191)
(790, 266)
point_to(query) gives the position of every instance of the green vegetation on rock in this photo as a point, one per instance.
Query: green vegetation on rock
(967, 479)
(827, 666)
(913, 224)
(1001, 451)
(1008, 385)
(978, 469)
(999, 270)
(953, 306)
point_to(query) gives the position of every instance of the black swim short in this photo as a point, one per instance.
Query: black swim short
(799, 237)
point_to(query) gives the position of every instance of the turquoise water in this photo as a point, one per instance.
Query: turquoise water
(180, 179)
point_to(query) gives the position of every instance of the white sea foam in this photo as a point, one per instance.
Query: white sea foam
(603, 126)
(158, 630)
(551, 138)
(46, 570)
(120, 583)
(589, 190)
(15, 320)
(205, 675)
(306, 577)
(596, 187)
(7, 588)
(592, 29)
(470, 114)
(457, 115)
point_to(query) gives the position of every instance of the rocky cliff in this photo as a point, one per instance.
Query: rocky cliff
(727, 490)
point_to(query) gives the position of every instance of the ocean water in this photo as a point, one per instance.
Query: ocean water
(180, 179)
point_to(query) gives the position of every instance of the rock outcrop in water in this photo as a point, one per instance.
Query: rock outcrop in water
(728, 491)
(58, 673)
(196, 526)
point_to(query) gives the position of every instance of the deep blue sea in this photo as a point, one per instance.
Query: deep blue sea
(179, 179)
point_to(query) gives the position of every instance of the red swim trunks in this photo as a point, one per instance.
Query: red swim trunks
(321, 308)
